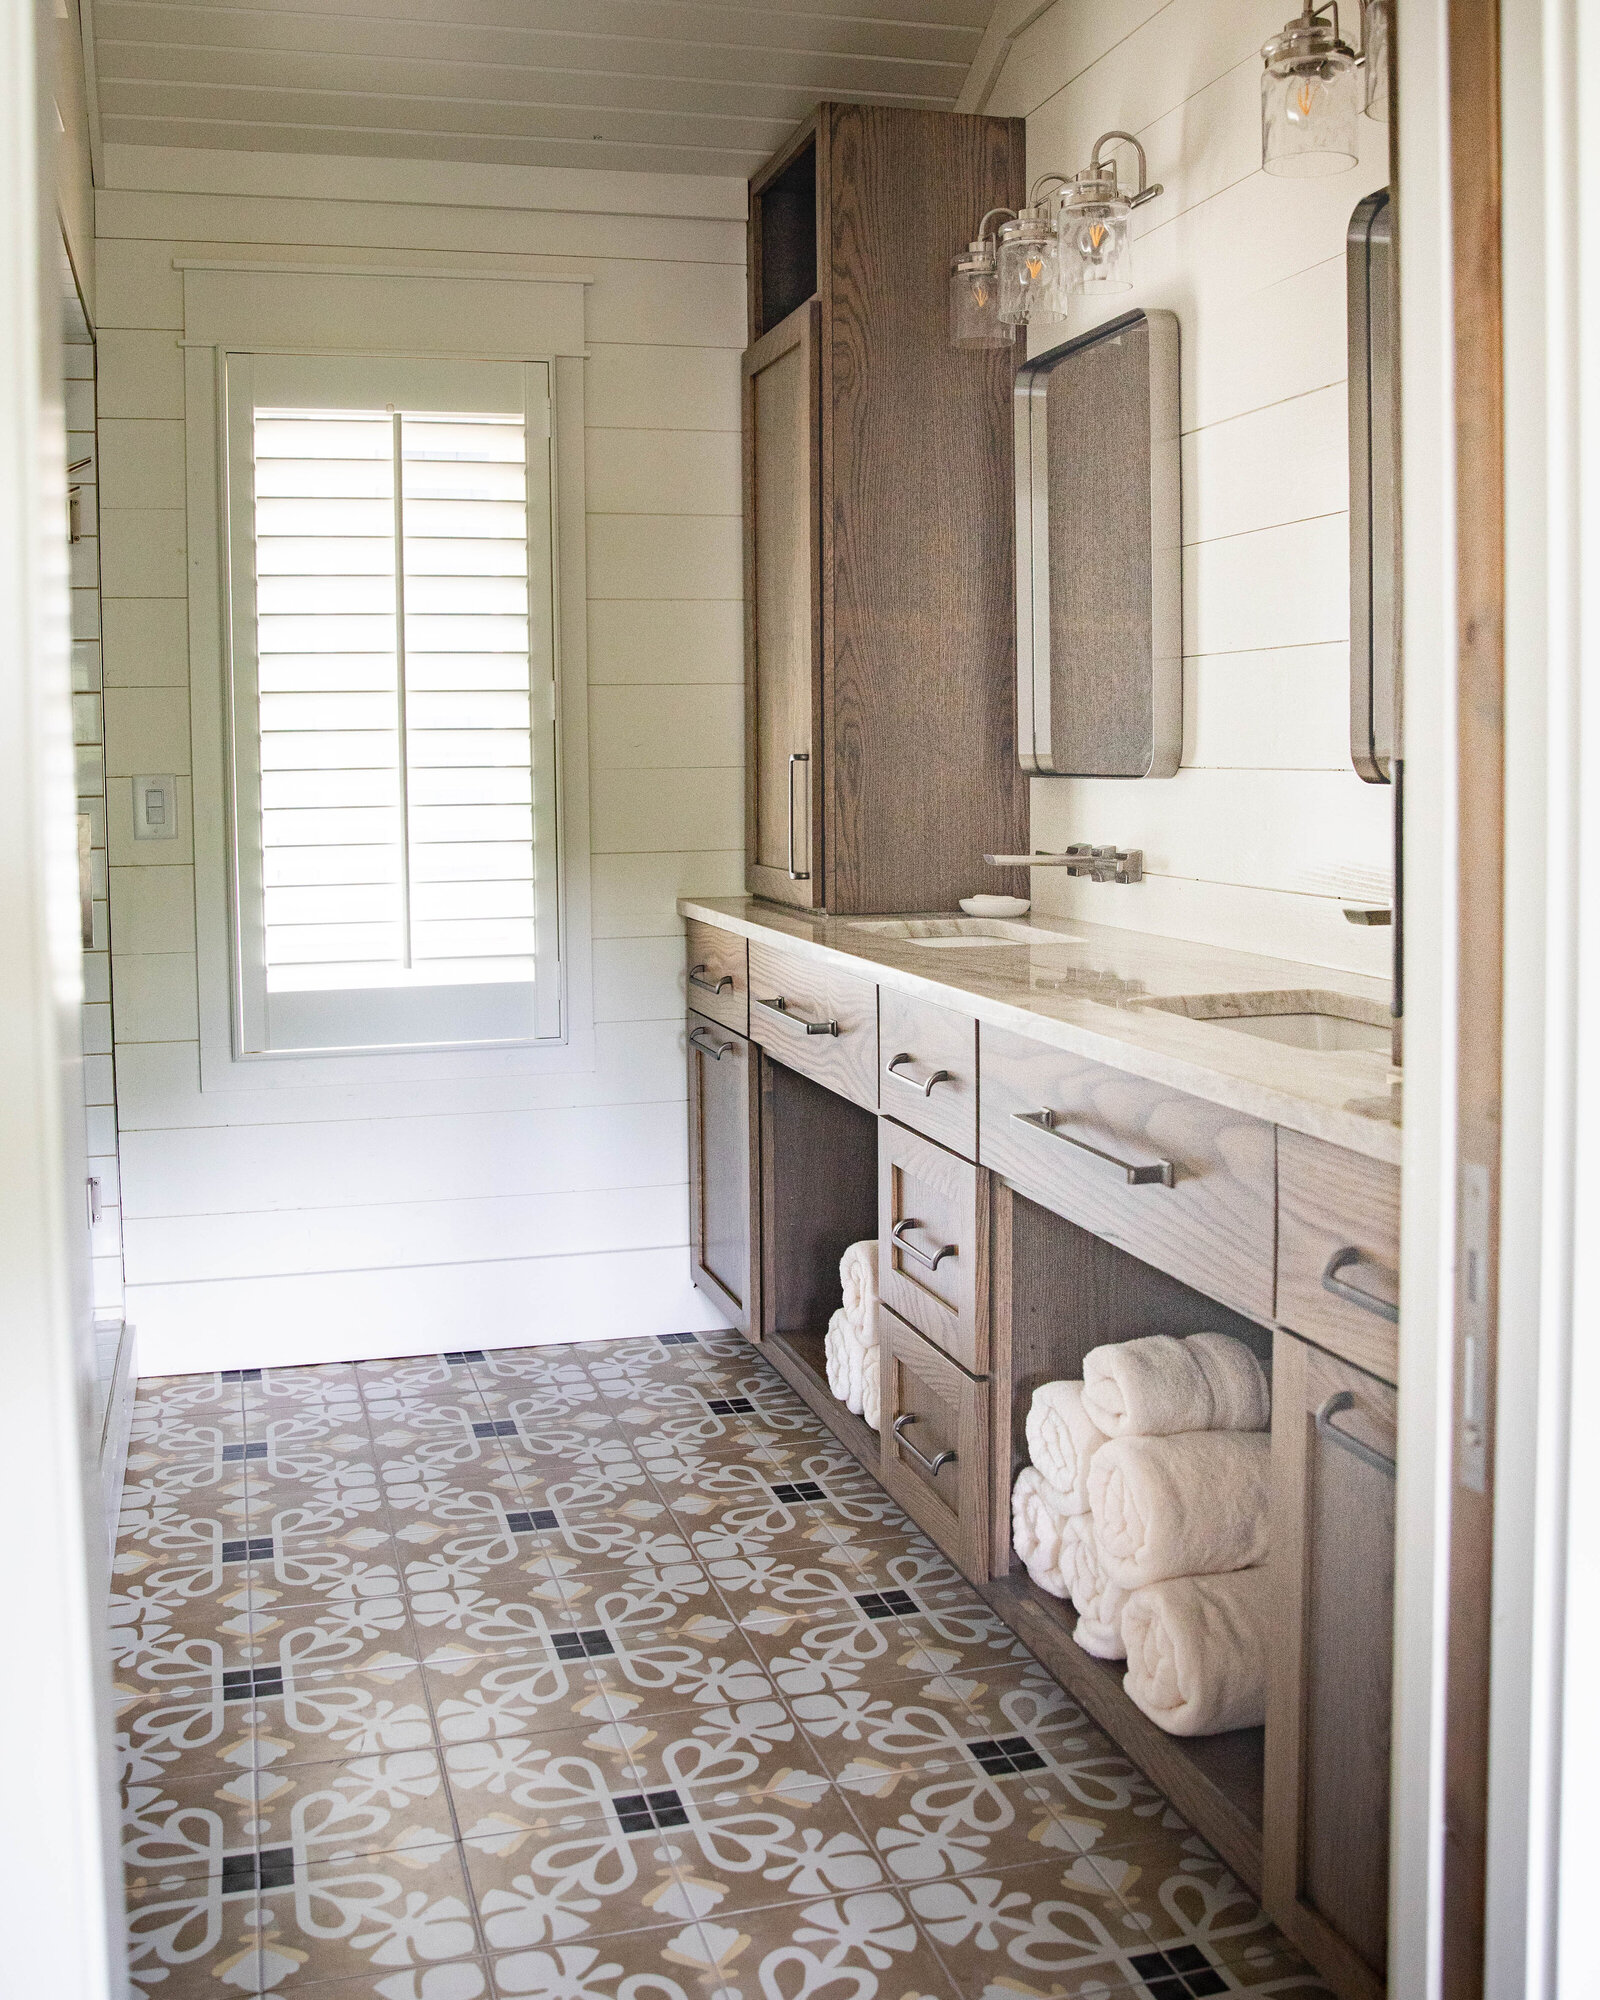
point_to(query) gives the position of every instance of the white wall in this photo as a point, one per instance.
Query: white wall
(292, 1224)
(1265, 832)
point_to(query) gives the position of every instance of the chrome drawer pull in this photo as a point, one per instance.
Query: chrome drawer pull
(1341, 1399)
(939, 1459)
(723, 985)
(795, 874)
(928, 1263)
(1159, 1173)
(716, 1050)
(778, 1005)
(1341, 1288)
(892, 1068)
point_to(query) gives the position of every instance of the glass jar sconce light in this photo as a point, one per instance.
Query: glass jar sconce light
(1311, 95)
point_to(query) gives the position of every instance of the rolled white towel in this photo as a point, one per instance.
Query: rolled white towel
(1062, 1439)
(872, 1388)
(1160, 1385)
(1188, 1505)
(1197, 1652)
(844, 1355)
(1039, 1515)
(858, 1274)
(1096, 1599)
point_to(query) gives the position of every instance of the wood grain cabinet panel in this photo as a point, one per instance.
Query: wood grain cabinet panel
(724, 1205)
(1184, 1185)
(717, 975)
(935, 1444)
(816, 1019)
(1329, 1683)
(1339, 1251)
(933, 1243)
(928, 1070)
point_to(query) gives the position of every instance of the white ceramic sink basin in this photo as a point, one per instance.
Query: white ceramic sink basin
(1325, 1022)
(956, 933)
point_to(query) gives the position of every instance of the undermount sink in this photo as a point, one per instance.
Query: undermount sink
(954, 933)
(1320, 1021)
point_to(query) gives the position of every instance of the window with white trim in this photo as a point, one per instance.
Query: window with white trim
(394, 833)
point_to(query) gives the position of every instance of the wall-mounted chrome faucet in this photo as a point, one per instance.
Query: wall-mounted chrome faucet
(1099, 864)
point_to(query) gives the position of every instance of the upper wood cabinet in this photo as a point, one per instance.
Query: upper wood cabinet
(879, 588)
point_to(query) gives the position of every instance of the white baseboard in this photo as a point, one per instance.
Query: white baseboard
(287, 1322)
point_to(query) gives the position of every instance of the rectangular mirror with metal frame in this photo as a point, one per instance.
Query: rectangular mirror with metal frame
(1099, 554)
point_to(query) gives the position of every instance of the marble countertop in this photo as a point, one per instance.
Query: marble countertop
(1095, 990)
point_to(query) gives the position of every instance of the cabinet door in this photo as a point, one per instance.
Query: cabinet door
(783, 597)
(723, 1162)
(1325, 1847)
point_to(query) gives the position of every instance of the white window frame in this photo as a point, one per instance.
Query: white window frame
(326, 310)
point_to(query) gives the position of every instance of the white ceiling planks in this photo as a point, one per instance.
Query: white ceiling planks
(658, 86)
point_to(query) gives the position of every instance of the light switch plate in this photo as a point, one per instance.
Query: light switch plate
(155, 808)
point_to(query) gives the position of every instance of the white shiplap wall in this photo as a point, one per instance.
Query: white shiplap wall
(1266, 832)
(297, 1224)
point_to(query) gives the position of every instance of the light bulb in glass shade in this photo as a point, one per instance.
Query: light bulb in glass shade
(1096, 249)
(1029, 271)
(1310, 99)
(975, 299)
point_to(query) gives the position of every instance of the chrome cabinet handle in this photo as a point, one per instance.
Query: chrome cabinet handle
(939, 1459)
(892, 1068)
(1341, 1399)
(1341, 1288)
(779, 1005)
(1159, 1173)
(795, 874)
(929, 1262)
(701, 1039)
(723, 985)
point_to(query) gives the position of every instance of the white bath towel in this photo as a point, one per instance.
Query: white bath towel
(1160, 1385)
(844, 1354)
(1062, 1439)
(872, 1387)
(1180, 1506)
(1096, 1599)
(1039, 1514)
(858, 1274)
(1197, 1652)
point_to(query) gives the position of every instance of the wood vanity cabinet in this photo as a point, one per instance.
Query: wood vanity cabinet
(1325, 1847)
(724, 1198)
(881, 754)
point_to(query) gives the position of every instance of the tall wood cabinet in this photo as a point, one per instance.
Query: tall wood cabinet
(881, 748)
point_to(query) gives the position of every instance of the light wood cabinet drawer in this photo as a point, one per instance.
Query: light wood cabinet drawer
(717, 978)
(1184, 1185)
(935, 1434)
(1339, 1251)
(817, 1020)
(928, 1069)
(933, 1247)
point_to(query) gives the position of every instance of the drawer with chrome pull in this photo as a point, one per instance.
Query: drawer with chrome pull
(816, 1019)
(933, 1243)
(935, 1444)
(1182, 1184)
(1339, 1251)
(716, 976)
(928, 1069)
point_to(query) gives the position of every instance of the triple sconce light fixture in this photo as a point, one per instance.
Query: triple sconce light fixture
(1075, 235)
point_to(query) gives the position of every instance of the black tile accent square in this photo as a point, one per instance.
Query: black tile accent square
(593, 1644)
(730, 1406)
(498, 1427)
(1003, 1757)
(648, 1812)
(1183, 1972)
(677, 1340)
(256, 1548)
(532, 1521)
(251, 1683)
(277, 1867)
(241, 1375)
(886, 1603)
(462, 1355)
(793, 1491)
(239, 1874)
(234, 1454)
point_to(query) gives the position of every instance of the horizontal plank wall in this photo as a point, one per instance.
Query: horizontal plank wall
(294, 1224)
(1265, 833)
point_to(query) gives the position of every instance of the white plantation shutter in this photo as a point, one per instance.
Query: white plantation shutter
(393, 703)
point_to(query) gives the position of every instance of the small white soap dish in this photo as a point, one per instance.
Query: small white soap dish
(996, 906)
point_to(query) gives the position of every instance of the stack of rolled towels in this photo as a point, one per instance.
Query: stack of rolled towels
(1145, 1503)
(850, 1349)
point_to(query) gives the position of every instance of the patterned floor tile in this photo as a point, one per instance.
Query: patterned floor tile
(866, 1946)
(404, 1910)
(759, 1853)
(175, 1828)
(697, 1662)
(185, 1732)
(1050, 1928)
(323, 1717)
(459, 1979)
(662, 1964)
(643, 1592)
(488, 1696)
(366, 1805)
(540, 1888)
(196, 1937)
